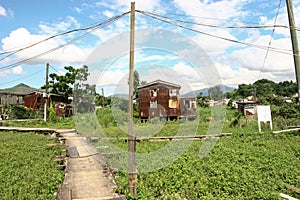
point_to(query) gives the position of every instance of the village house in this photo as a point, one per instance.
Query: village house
(248, 107)
(162, 99)
(36, 101)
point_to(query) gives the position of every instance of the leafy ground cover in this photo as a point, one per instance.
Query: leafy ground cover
(26, 167)
(247, 165)
(253, 166)
(64, 123)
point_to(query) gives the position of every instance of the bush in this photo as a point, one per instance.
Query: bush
(20, 112)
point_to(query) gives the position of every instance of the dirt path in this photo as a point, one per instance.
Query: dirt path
(87, 176)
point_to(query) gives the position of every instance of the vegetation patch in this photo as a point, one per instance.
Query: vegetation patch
(254, 166)
(26, 167)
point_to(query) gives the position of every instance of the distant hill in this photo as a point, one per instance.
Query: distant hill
(204, 91)
(20, 89)
(125, 96)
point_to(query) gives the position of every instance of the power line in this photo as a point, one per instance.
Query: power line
(215, 26)
(54, 68)
(24, 77)
(278, 50)
(100, 25)
(60, 34)
(210, 18)
(271, 38)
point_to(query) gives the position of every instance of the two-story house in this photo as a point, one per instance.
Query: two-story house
(162, 99)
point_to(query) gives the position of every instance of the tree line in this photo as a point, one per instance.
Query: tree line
(264, 88)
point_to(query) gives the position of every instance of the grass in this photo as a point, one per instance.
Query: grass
(247, 165)
(26, 167)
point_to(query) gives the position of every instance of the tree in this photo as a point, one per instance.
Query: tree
(84, 93)
(136, 83)
(63, 84)
(143, 82)
(215, 92)
(286, 88)
(245, 90)
(102, 100)
(264, 88)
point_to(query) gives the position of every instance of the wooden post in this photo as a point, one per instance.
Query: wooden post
(293, 32)
(132, 170)
(46, 93)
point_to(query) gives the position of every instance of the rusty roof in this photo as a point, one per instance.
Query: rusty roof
(159, 82)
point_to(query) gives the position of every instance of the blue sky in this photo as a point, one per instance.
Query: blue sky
(26, 22)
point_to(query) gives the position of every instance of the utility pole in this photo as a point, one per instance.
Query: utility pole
(293, 32)
(45, 95)
(132, 169)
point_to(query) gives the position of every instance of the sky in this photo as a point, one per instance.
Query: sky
(196, 58)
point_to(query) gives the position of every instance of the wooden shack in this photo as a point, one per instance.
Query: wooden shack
(162, 99)
(248, 107)
(188, 107)
(36, 100)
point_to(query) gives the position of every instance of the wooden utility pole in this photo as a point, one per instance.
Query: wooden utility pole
(293, 32)
(45, 95)
(132, 169)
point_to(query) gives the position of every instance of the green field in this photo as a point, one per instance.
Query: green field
(247, 165)
(26, 167)
(240, 167)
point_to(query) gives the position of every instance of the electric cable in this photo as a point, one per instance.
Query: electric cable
(60, 34)
(54, 68)
(271, 38)
(210, 18)
(216, 26)
(278, 50)
(24, 77)
(101, 25)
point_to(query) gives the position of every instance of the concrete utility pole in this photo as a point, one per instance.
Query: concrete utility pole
(45, 95)
(132, 170)
(293, 32)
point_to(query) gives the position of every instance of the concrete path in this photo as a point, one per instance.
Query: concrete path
(87, 176)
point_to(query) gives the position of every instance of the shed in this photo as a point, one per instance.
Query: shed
(248, 107)
(36, 100)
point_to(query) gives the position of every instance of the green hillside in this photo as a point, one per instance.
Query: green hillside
(20, 89)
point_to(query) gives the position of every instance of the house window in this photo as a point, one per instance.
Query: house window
(153, 104)
(172, 92)
(153, 93)
(172, 103)
(193, 105)
(187, 104)
(39, 99)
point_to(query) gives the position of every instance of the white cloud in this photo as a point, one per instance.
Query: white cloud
(110, 77)
(212, 45)
(225, 71)
(21, 37)
(108, 13)
(78, 9)
(247, 65)
(5, 72)
(54, 28)
(2, 11)
(17, 70)
(124, 5)
(212, 9)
